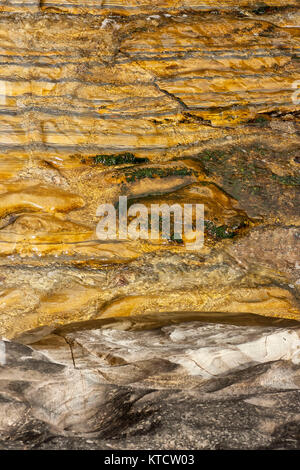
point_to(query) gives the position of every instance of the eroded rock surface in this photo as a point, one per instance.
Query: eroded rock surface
(162, 102)
(193, 386)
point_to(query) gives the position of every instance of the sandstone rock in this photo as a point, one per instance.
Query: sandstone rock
(98, 388)
(111, 344)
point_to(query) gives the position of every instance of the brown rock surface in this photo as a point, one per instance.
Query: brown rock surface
(162, 102)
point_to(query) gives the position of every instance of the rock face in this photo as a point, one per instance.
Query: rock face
(164, 102)
(194, 386)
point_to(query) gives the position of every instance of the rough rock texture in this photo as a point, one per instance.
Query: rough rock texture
(169, 101)
(195, 386)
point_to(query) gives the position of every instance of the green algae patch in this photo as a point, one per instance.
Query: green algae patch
(219, 232)
(288, 180)
(141, 173)
(118, 159)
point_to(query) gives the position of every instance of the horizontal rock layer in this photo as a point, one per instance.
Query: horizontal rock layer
(172, 102)
(200, 98)
(102, 389)
(134, 7)
(126, 83)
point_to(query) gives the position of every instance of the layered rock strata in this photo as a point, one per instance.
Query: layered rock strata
(174, 102)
